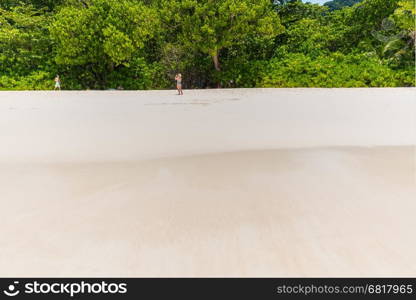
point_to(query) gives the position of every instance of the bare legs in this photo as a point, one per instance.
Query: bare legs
(180, 92)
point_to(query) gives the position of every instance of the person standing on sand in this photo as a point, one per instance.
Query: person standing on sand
(57, 83)
(178, 79)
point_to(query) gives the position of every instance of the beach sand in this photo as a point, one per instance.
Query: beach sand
(216, 183)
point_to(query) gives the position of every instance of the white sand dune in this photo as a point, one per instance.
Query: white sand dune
(264, 182)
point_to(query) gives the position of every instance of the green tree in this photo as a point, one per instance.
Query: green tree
(339, 4)
(398, 34)
(210, 26)
(142, 44)
(405, 14)
(25, 47)
(332, 70)
(103, 35)
(48, 4)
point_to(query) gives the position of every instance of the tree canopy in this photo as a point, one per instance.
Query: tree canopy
(141, 44)
(339, 4)
(211, 26)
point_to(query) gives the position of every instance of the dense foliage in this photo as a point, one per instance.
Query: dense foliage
(141, 44)
(339, 4)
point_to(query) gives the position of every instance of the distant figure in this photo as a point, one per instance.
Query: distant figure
(178, 79)
(57, 83)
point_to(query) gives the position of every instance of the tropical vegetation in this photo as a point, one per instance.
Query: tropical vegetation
(142, 44)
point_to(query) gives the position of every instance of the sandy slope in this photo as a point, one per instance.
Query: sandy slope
(148, 184)
(120, 126)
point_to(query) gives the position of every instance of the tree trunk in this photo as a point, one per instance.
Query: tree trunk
(216, 60)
